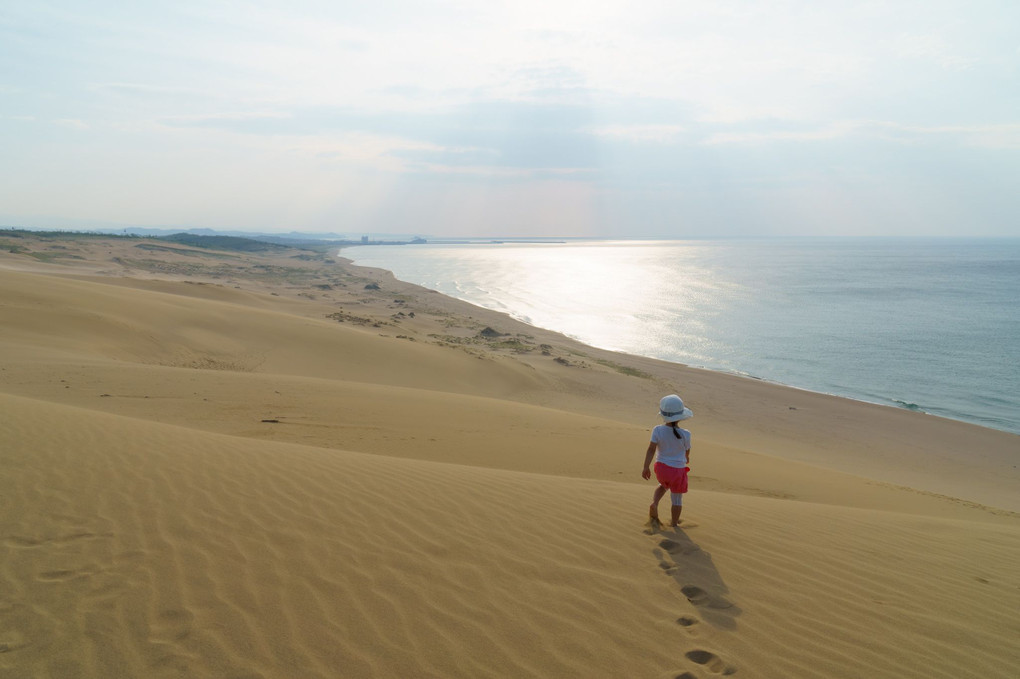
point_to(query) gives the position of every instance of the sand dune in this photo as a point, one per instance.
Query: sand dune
(141, 549)
(222, 480)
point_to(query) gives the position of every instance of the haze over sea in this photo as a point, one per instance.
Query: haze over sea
(926, 324)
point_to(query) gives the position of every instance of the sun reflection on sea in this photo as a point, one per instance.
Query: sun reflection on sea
(840, 316)
(605, 293)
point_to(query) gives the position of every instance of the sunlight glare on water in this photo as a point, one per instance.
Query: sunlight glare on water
(610, 294)
(924, 324)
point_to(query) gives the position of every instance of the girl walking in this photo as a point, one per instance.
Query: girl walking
(671, 448)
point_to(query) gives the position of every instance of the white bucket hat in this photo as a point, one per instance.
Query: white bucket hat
(672, 409)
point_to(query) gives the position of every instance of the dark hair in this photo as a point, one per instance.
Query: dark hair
(676, 432)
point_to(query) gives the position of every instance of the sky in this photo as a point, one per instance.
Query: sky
(630, 119)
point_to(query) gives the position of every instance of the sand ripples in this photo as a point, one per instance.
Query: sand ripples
(153, 524)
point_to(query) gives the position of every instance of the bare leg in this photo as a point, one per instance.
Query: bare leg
(675, 515)
(653, 511)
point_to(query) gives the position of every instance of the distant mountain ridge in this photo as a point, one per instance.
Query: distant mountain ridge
(287, 238)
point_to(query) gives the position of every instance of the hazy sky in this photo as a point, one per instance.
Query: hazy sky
(613, 119)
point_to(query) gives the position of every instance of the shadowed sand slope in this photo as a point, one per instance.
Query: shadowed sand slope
(139, 549)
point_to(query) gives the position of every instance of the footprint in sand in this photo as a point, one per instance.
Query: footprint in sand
(710, 661)
(687, 563)
(689, 624)
(653, 526)
(695, 595)
(674, 547)
(700, 597)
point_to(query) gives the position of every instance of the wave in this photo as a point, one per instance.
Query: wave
(909, 406)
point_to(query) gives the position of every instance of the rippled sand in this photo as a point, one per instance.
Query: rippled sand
(253, 466)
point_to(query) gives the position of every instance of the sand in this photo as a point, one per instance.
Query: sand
(221, 464)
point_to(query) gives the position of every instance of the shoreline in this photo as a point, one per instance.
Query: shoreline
(1003, 444)
(847, 393)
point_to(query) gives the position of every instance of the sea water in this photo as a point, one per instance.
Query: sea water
(925, 324)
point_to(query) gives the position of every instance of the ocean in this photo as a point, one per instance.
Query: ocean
(931, 325)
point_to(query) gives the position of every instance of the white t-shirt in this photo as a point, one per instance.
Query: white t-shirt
(670, 450)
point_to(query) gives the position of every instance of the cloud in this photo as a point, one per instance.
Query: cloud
(995, 136)
(483, 134)
(736, 98)
(933, 48)
(1003, 136)
(226, 119)
(820, 133)
(381, 152)
(71, 123)
(659, 134)
(146, 90)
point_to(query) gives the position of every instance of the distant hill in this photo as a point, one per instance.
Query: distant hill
(234, 243)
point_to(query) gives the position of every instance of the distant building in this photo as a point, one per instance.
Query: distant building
(364, 240)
